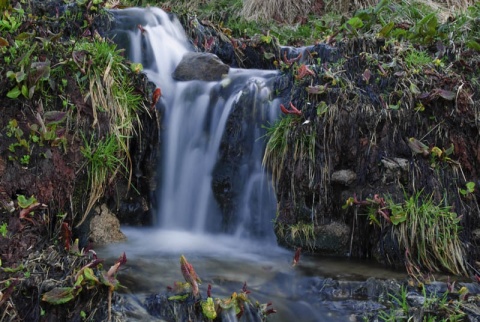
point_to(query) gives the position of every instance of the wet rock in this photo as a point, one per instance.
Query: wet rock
(200, 66)
(415, 299)
(160, 306)
(395, 168)
(105, 227)
(332, 238)
(345, 177)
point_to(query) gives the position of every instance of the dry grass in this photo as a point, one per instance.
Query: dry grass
(280, 10)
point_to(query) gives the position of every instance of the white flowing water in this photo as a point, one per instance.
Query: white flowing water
(194, 116)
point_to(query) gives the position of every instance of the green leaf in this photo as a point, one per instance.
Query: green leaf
(25, 91)
(355, 22)
(386, 29)
(24, 202)
(398, 218)
(268, 56)
(266, 39)
(20, 76)
(24, 35)
(79, 281)
(90, 275)
(322, 108)
(414, 89)
(14, 93)
(178, 297)
(59, 295)
(470, 186)
(208, 308)
(14, 269)
(472, 44)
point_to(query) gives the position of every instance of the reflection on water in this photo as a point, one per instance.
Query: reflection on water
(227, 262)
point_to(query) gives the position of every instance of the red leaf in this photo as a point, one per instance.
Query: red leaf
(366, 75)
(448, 95)
(157, 93)
(66, 235)
(283, 109)
(296, 257)
(189, 274)
(114, 269)
(294, 109)
(244, 288)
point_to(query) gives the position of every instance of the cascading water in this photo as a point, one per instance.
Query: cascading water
(195, 114)
(197, 122)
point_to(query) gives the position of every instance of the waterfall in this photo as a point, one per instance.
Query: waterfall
(195, 115)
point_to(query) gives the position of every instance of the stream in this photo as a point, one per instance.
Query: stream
(189, 221)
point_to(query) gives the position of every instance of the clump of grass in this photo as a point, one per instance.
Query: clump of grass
(280, 140)
(436, 307)
(111, 94)
(429, 233)
(277, 146)
(303, 232)
(285, 10)
(104, 161)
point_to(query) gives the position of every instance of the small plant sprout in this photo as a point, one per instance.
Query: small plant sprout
(3, 229)
(296, 257)
(469, 189)
(190, 275)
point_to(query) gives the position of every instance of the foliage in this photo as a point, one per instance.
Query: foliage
(430, 233)
(277, 146)
(3, 230)
(399, 20)
(212, 308)
(88, 277)
(427, 232)
(435, 307)
(111, 94)
(103, 162)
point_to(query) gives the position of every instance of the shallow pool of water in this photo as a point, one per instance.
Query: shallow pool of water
(226, 263)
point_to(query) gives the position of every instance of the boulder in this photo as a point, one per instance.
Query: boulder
(200, 66)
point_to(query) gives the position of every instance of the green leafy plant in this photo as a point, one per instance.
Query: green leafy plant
(469, 189)
(86, 278)
(25, 202)
(4, 229)
(212, 307)
(11, 21)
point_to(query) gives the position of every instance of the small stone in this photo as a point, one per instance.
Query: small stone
(345, 177)
(105, 227)
(394, 164)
